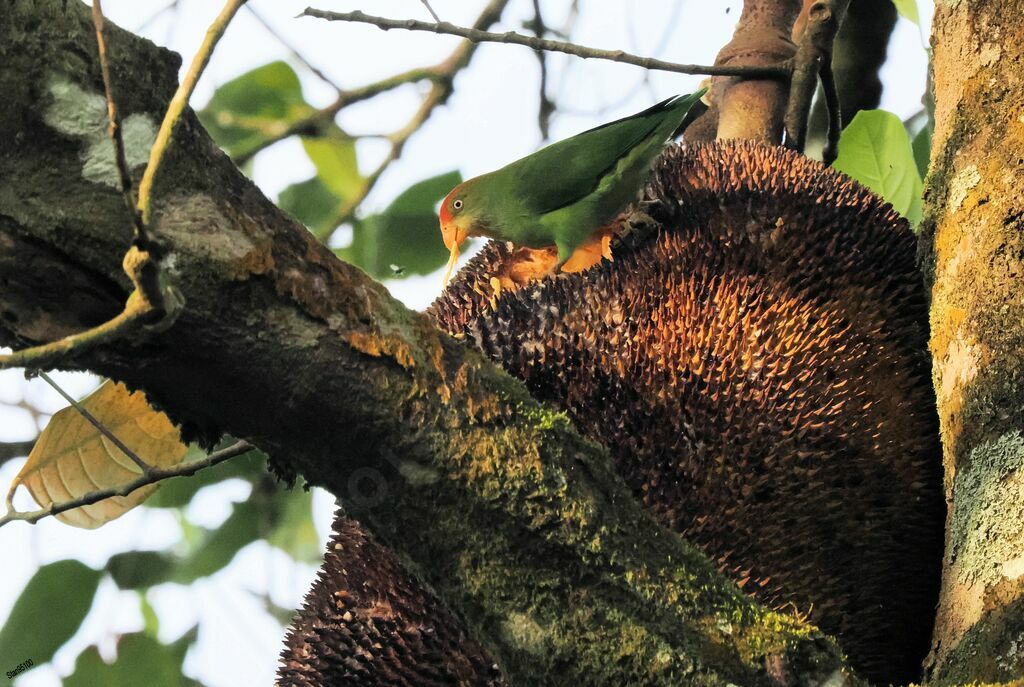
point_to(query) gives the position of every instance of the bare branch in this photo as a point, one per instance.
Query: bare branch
(114, 129)
(293, 50)
(151, 476)
(344, 99)
(511, 37)
(835, 114)
(816, 36)
(137, 312)
(426, 3)
(178, 104)
(546, 107)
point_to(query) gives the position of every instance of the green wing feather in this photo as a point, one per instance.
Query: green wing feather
(566, 171)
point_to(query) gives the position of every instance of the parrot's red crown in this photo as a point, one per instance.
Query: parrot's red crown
(446, 213)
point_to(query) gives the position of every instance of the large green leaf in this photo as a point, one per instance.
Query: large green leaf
(312, 203)
(141, 659)
(908, 9)
(404, 239)
(875, 150)
(254, 107)
(334, 155)
(49, 612)
(141, 569)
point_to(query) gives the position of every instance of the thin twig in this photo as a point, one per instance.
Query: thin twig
(153, 476)
(439, 93)
(100, 427)
(292, 49)
(835, 114)
(178, 104)
(511, 37)
(137, 312)
(546, 107)
(171, 6)
(426, 3)
(114, 129)
(326, 114)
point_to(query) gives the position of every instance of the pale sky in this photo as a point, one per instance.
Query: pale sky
(490, 121)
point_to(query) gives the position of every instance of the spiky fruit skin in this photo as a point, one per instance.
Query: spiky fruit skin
(758, 366)
(367, 623)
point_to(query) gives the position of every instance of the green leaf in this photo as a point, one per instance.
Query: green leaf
(875, 150)
(405, 235)
(140, 660)
(49, 612)
(312, 203)
(150, 619)
(254, 107)
(334, 155)
(220, 546)
(908, 10)
(922, 147)
(140, 569)
(208, 553)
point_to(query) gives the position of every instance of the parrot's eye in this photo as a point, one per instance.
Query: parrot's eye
(457, 205)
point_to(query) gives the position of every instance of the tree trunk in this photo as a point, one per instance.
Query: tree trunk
(519, 525)
(973, 251)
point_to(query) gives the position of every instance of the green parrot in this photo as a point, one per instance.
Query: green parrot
(563, 193)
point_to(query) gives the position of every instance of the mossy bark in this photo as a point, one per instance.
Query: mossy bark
(517, 523)
(973, 248)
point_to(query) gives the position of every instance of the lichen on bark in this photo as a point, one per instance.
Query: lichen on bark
(972, 249)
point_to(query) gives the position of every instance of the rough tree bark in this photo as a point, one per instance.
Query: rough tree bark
(973, 249)
(520, 526)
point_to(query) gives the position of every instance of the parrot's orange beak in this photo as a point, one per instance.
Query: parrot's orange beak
(453, 236)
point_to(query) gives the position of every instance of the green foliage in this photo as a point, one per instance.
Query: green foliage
(255, 107)
(262, 104)
(48, 612)
(875, 150)
(908, 10)
(334, 155)
(312, 203)
(281, 516)
(141, 659)
(405, 234)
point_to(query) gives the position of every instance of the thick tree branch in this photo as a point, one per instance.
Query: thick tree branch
(494, 500)
(819, 23)
(752, 108)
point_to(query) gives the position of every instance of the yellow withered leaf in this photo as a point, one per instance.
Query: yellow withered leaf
(72, 458)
